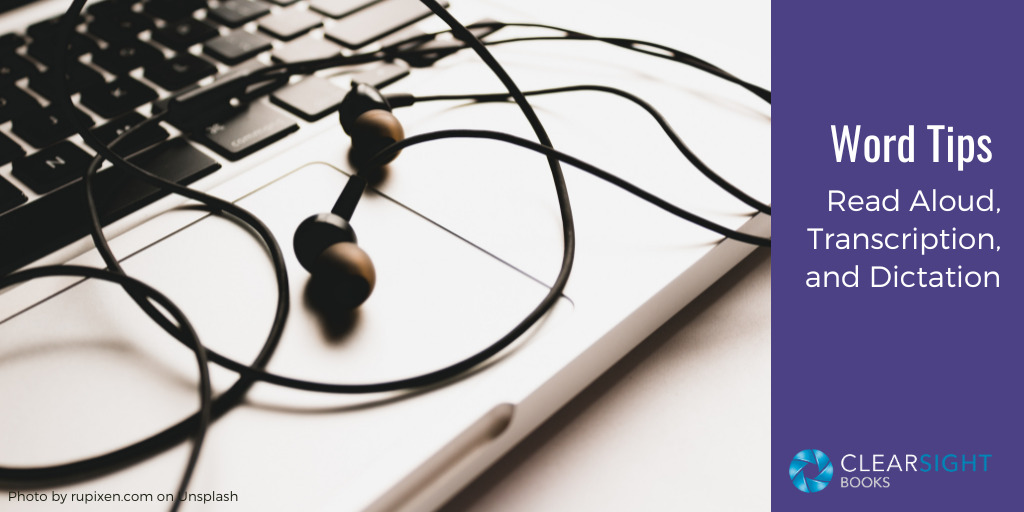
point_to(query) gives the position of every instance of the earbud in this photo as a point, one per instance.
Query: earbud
(366, 116)
(325, 244)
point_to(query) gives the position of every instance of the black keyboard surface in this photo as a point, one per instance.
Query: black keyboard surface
(128, 53)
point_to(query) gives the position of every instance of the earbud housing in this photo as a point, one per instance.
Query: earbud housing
(365, 115)
(342, 275)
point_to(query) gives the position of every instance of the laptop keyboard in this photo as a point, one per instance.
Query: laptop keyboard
(133, 52)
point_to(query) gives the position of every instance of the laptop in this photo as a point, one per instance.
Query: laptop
(465, 237)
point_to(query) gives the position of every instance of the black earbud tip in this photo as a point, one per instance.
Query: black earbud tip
(360, 99)
(342, 277)
(315, 234)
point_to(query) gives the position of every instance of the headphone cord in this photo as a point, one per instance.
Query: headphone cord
(407, 47)
(187, 334)
(180, 329)
(582, 165)
(403, 100)
(197, 422)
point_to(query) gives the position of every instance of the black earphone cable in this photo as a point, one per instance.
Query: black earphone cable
(658, 117)
(188, 336)
(234, 395)
(461, 366)
(645, 47)
(467, 363)
(584, 166)
(248, 374)
(408, 47)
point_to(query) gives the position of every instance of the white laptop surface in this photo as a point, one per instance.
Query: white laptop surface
(466, 239)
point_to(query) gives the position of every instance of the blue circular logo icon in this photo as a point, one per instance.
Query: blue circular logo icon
(810, 471)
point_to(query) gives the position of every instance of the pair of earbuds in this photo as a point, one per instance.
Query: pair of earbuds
(325, 244)
(343, 275)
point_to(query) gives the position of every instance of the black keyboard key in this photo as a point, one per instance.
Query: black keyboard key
(252, 67)
(9, 150)
(181, 71)
(46, 29)
(247, 130)
(237, 46)
(248, 67)
(117, 97)
(120, 58)
(175, 160)
(306, 48)
(43, 49)
(110, 7)
(190, 120)
(43, 127)
(235, 13)
(120, 26)
(11, 42)
(171, 10)
(78, 76)
(289, 24)
(179, 35)
(10, 196)
(52, 167)
(137, 141)
(310, 99)
(338, 8)
(13, 67)
(59, 218)
(376, 21)
(14, 103)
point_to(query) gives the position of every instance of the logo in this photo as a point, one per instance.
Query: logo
(810, 470)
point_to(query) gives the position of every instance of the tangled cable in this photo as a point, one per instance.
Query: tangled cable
(170, 318)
